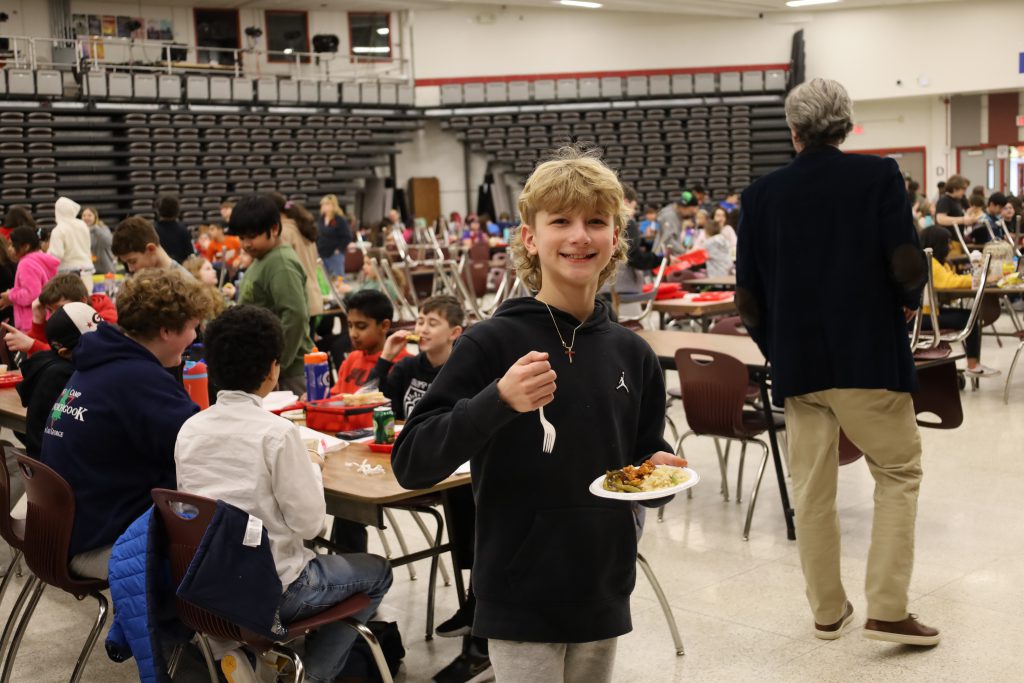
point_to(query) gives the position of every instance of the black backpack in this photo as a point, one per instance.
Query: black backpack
(360, 665)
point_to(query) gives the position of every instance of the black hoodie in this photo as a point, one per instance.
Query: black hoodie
(45, 375)
(554, 563)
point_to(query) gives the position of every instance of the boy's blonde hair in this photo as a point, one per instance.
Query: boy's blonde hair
(572, 180)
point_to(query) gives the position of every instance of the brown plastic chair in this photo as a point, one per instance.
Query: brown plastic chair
(48, 525)
(848, 451)
(186, 517)
(714, 388)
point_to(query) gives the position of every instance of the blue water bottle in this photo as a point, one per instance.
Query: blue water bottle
(318, 375)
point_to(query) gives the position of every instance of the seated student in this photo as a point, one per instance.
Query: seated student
(555, 566)
(35, 268)
(46, 373)
(111, 433)
(369, 320)
(246, 456)
(275, 281)
(405, 382)
(62, 289)
(943, 276)
(137, 244)
(991, 224)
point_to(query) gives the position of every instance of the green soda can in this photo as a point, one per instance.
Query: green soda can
(383, 425)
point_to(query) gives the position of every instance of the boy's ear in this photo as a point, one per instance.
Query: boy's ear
(150, 248)
(385, 325)
(454, 334)
(528, 239)
(64, 352)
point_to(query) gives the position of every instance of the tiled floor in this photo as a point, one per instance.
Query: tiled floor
(740, 606)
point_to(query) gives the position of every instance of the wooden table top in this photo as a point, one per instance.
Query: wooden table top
(692, 308)
(727, 282)
(666, 342)
(968, 291)
(10, 403)
(341, 480)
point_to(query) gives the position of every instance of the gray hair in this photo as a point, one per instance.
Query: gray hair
(820, 112)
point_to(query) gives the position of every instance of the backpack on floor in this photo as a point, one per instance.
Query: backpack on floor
(360, 666)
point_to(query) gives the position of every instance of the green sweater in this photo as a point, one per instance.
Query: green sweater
(277, 282)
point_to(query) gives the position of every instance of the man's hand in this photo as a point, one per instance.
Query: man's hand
(394, 344)
(17, 340)
(38, 312)
(666, 458)
(529, 384)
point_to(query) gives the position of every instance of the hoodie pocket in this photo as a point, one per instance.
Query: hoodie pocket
(576, 554)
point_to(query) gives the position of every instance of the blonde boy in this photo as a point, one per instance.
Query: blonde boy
(554, 565)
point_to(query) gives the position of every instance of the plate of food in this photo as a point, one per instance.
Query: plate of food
(645, 482)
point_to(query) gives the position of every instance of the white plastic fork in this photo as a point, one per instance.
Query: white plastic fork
(549, 432)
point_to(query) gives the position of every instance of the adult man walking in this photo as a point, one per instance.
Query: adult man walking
(828, 264)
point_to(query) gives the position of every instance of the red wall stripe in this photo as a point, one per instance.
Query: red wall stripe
(422, 82)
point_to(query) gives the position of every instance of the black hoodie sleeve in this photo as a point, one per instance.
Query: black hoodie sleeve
(454, 420)
(651, 427)
(393, 379)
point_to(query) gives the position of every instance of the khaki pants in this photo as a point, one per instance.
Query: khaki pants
(882, 424)
(516, 662)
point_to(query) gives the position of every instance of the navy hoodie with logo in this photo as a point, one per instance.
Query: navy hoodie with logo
(554, 563)
(111, 434)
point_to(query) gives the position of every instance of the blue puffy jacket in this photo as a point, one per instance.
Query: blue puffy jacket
(145, 620)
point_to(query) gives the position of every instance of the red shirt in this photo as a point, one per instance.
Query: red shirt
(353, 374)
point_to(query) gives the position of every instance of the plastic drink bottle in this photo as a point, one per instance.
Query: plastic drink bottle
(318, 375)
(197, 383)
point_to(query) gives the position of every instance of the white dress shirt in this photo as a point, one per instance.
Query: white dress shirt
(240, 453)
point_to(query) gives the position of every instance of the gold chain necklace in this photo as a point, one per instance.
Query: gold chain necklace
(568, 347)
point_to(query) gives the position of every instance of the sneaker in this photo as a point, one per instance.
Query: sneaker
(238, 667)
(833, 631)
(980, 370)
(907, 632)
(460, 624)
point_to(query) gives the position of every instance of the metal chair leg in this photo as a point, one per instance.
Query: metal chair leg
(37, 592)
(757, 487)
(671, 425)
(1009, 374)
(739, 474)
(15, 559)
(374, 644)
(401, 541)
(426, 535)
(665, 607)
(174, 661)
(12, 619)
(723, 467)
(204, 647)
(432, 587)
(90, 641)
(293, 657)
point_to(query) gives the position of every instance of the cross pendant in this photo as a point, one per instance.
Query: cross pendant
(569, 352)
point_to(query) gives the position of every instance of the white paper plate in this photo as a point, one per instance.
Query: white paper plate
(598, 489)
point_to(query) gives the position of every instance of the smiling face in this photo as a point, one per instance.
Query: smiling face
(435, 332)
(573, 247)
(88, 217)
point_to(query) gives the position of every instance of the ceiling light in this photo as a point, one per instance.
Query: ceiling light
(808, 3)
(288, 50)
(580, 3)
(383, 31)
(371, 50)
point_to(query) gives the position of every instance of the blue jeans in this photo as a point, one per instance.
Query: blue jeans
(334, 265)
(326, 581)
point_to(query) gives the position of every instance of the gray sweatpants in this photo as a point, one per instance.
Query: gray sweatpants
(516, 662)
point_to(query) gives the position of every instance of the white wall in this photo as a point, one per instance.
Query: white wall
(436, 153)
(957, 48)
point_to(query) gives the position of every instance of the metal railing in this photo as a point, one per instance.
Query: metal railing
(101, 53)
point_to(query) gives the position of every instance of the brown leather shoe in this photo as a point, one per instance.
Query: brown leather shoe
(833, 631)
(909, 631)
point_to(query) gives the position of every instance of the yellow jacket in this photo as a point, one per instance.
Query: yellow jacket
(944, 277)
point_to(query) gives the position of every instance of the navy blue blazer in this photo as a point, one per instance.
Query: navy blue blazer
(827, 259)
